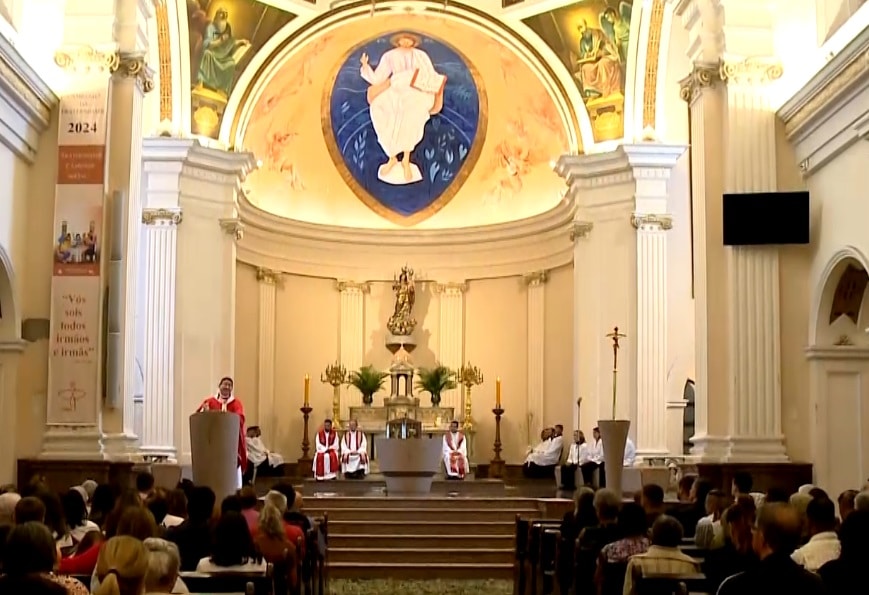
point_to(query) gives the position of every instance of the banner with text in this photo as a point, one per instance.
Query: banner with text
(76, 288)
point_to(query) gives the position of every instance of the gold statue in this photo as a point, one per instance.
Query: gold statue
(402, 322)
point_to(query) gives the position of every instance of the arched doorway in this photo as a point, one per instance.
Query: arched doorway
(11, 347)
(839, 372)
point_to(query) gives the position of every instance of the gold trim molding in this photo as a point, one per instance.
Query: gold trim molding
(233, 226)
(580, 229)
(701, 77)
(162, 216)
(451, 287)
(268, 276)
(133, 66)
(85, 59)
(536, 278)
(164, 53)
(651, 222)
(342, 286)
(751, 71)
(653, 57)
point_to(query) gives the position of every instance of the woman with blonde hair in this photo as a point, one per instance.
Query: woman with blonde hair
(271, 539)
(122, 566)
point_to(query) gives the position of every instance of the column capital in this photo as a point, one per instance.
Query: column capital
(85, 60)
(232, 226)
(451, 287)
(268, 276)
(133, 65)
(702, 76)
(651, 222)
(162, 216)
(754, 70)
(535, 279)
(580, 229)
(343, 285)
(199, 162)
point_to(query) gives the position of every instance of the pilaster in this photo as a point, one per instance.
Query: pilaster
(10, 355)
(352, 336)
(536, 300)
(268, 284)
(451, 335)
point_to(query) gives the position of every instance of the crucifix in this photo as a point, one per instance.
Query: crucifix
(615, 336)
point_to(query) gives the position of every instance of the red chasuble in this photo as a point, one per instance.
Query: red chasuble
(326, 457)
(231, 405)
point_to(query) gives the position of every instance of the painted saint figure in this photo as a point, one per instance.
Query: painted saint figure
(405, 91)
(354, 452)
(224, 400)
(326, 457)
(219, 54)
(455, 453)
(598, 69)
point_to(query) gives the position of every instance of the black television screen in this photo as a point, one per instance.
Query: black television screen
(765, 218)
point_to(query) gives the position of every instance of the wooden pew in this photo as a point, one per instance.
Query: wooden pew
(523, 527)
(671, 584)
(230, 582)
(546, 579)
(535, 549)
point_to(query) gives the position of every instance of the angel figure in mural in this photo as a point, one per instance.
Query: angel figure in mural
(598, 67)
(405, 91)
(221, 53)
(617, 26)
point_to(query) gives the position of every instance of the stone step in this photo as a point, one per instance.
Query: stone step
(419, 527)
(419, 556)
(376, 515)
(448, 571)
(328, 502)
(436, 539)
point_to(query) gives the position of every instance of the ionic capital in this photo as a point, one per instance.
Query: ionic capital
(85, 60)
(755, 70)
(701, 77)
(162, 216)
(233, 227)
(352, 286)
(268, 276)
(451, 288)
(133, 66)
(580, 229)
(536, 278)
(651, 222)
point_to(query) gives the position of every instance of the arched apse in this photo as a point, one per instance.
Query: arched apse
(827, 325)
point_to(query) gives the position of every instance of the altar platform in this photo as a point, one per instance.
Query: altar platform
(374, 484)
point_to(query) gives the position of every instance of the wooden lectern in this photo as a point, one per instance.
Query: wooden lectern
(214, 451)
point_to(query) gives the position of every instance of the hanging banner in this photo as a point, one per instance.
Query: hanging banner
(76, 288)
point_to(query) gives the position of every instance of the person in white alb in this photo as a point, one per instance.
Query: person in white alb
(455, 453)
(630, 453)
(594, 461)
(577, 455)
(823, 545)
(541, 462)
(261, 462)
(354, 452)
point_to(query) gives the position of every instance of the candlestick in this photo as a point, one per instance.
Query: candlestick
(305, 461)
(496, 465)
(497, 393)
(307, 390)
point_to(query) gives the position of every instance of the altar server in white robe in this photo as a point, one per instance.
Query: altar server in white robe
(261, 462)
(354, 452)
(541, 462)
(455, 453)
(326, 457)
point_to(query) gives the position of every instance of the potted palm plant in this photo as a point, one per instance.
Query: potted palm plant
(434, 381)
(367, 380)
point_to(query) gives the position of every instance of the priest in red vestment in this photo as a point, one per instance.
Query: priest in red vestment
(326, 457)
(224, 400)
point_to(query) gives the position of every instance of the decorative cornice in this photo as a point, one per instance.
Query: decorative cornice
(233, 226)
(754, 70)
(580, 229)
(342, 286)
(162, 216)
(651, 222)
(87, 60)
(134, 66)
(451, 288)
(834, 352)
(536, 278)
(701, 77)
(268, 276)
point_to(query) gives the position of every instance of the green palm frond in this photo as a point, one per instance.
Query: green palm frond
(367, 380)
(436, 380)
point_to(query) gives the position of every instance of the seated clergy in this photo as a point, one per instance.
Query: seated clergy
(541, 462)
(260, 460)
(326, 457)
(354, 452)
(455, 453)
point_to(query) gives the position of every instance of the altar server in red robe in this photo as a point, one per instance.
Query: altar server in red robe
(224, 400)
(326, 459)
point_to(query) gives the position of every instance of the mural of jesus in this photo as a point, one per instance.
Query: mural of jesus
(404, 91)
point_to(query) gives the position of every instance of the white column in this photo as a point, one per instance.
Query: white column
(352, 337)
(536, 284)
(10, 357)
(451, 337)
(160, 243)
(652, 322)
(582, 260)
(268, 281)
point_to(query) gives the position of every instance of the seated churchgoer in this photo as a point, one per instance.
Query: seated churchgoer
(455, 451)
(736, 555)
(594, 462)
(709, 533)
(541, 461)
(849, 569)
(652, 501)
(164, 566)
(823, 545)
(122, 567)
(193, 535)
(75, 512)
(662, 557)
(354, 452)
(577, 455)
(30, 550)
(232, 549)
(741, 486)
(260, 460)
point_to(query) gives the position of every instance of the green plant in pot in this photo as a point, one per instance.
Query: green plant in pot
(434, 381)
(367, 380)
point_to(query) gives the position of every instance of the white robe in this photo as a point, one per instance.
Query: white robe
(630, 453)
(257, 453)
(547, 453)
(354, 452)
(326, 457)
(456, 455)
(399, 113)
(579, 454)
(595, 452)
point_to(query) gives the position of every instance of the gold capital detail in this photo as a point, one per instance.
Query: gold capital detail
(233, 227)
(268, 276)
(580, 229)
(87, 60)
(133, 66)
(343, 286)
(451, 288)
(652, 222)
(751, 71)
(161, 216)
(702, 76)
(535, 278)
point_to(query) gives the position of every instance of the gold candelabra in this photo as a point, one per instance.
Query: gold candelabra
(469, 376)
(335, 375)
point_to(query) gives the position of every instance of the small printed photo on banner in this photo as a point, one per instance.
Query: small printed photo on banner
(77, 241)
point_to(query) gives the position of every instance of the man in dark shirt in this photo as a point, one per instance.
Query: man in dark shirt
(776, 536)
(193, 536)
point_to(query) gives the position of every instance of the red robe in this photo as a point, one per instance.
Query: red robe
(326, 456)
(233, 405)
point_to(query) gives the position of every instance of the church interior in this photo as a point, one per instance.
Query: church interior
(582, 210)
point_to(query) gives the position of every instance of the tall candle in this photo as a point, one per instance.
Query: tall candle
(498, 393)
(307, 390)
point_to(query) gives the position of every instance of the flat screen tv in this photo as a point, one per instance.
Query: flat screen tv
(766, 218)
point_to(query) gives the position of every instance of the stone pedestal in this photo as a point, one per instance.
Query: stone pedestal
(614, 435)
